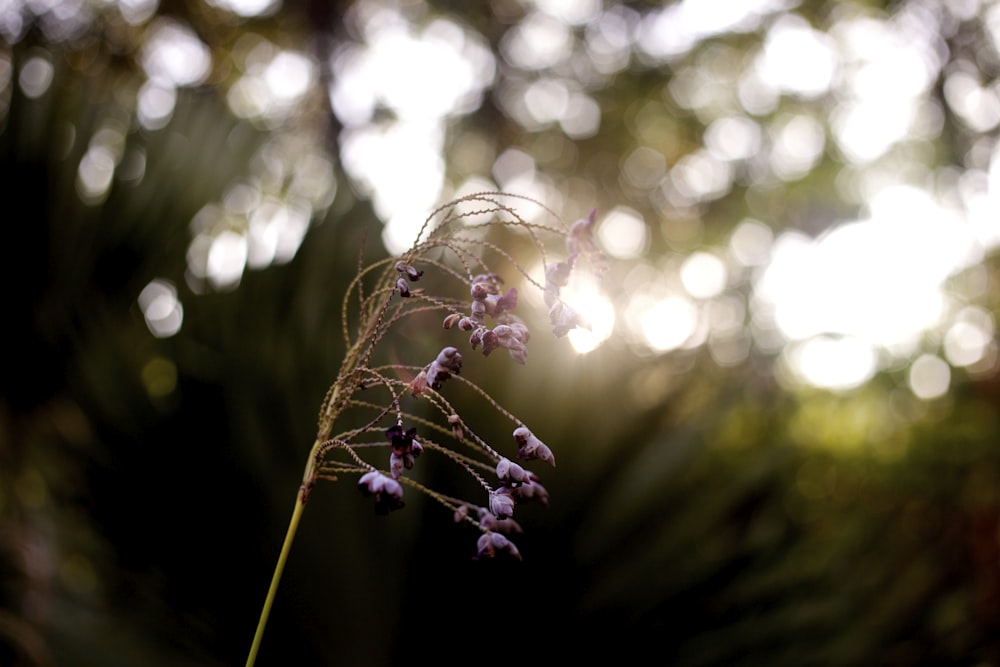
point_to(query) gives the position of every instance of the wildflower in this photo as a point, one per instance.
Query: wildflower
(452, 320)
(531, 447)
(387, 491)
(502, 503)
(491, 544)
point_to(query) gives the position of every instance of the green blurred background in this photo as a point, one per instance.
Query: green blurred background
(779, 447)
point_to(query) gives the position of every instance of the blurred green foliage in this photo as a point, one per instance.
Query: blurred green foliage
(703, 515)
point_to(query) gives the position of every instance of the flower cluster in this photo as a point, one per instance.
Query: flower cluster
(510, 331)
(579, 243)
(488, 315)
(381, 298)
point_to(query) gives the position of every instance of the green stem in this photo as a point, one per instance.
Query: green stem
(293, 525)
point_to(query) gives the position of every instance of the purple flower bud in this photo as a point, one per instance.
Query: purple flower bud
(506, 526)
(451, 359)
(452, 320)
(479, 291)
(508, 471)
(403, 287)
(564, 319)
(489, 282)
(467, 324)
(497, 305)
(419, 384)
(370, 482)
(412, 274)
(531, 490)
(502, 503)
(387, 491)
(503, 331)
(531, 447)
(490, 342)
(520, 329)
(509, 337)
(396, 465)
(402, 443)
(493, 544)
(557, 275)
(519, 356)
(581, 235)
(436, 374)
(405, 450)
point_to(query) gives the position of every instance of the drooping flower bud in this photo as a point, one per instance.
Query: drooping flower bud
(478, 311)
(557, 275)
(506, 526)
(387, 491)
(448, 362)
(502, 503)
(396, 465)
(419, 383)
(510, 472)
(412, 274)
(405, 449)
(450, 358)
(490, 342)
(491, 544)
(497, 304)
(581, 235)
(509, 336)
(479, 291)
(531, 447)
(531, 490)
(564, 319)
(403, 287)
(452, 320)
(402, 443)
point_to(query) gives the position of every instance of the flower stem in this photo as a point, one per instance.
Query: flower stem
(293, 525)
